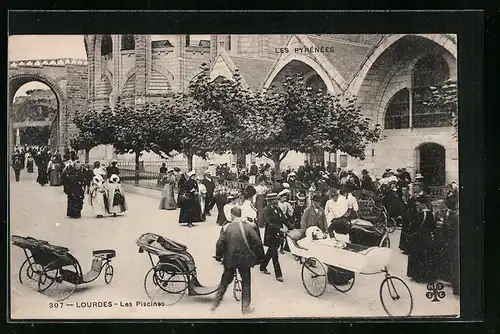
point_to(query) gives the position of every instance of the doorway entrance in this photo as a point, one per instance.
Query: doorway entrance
(431, 163)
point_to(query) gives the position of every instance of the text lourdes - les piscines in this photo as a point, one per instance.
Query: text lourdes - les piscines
(305, 49)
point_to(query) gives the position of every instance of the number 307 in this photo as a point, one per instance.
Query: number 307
(56, 305)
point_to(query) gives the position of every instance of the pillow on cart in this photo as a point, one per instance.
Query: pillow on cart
(297, 234)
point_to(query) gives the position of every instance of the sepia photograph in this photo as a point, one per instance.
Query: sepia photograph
(233, 176)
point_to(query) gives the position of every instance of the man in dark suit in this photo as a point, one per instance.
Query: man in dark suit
(254, 170)
(274, 221)
(209, 183)
(110, 170)
(241, 249)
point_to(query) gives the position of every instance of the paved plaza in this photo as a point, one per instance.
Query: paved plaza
(40, 212)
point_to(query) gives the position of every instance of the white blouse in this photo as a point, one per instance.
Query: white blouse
(335, 209)
(352, 203)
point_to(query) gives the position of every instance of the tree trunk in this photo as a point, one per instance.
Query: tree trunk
(277, 169)
(87, 156)
(136, 173)
(190, 161)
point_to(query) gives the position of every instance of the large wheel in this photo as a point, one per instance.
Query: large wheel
(396, 297)
(29, 272)
(108, 273)
(166, 282)
(59, 282)
(237, 290)
(314, 277)
(341, 279)
(385, 242)
(391, 225)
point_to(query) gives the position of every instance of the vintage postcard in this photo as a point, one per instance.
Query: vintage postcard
(233, 176)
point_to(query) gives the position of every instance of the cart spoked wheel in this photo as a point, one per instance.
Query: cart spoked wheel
(59, 282)
(385, 242)
(396, 297)
(237, 290)
(342, 280)
(108, 273)
(314, 277)
(29, 272)
(166, 282)
(391, 225)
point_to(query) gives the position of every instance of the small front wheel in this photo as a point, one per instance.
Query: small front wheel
(385, 242)
(396, 297)
(237, 290)
(314, 277)
(108, 273)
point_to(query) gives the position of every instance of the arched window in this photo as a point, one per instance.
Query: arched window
(106, 45)
(128, 42)
(397, 115)
(429, 71)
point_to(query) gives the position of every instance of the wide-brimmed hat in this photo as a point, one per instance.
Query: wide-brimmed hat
(419, 176)
(114, 161)
(271, 196)
(284, 192)
(233, 194)
(170, 170)
(191, 173)
(300, 196)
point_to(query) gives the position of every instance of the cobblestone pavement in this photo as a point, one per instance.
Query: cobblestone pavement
(40, 212)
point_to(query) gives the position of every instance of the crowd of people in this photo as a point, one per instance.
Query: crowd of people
(101, 184)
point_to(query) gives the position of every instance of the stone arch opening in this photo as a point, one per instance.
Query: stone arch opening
(107, 46)
(430, 161)
(128, 42)
(397, 115)
(56, 125)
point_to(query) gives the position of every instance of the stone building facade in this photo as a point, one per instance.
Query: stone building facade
(391, 76)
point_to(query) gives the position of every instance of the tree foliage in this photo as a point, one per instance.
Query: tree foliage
(445, 99)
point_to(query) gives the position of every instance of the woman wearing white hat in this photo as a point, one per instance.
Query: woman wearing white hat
(98, 196)
(116, 203)
(188, 201)
(233, 199)
(167, 200)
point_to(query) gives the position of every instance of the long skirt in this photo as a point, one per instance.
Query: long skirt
(29, 167)
(99, 204)
(403, 241)
(190, 211)
(422, 259)
(42, 178)
(221, 201)
(167, 201)
(75, 205)
(260, 201)
(55, 178)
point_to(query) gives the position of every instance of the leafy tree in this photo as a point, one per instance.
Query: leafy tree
(131, 130)
(301, 119)
(83, 141)
(445, 99)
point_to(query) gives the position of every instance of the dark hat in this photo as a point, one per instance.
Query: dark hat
(249, 192)
(301, 195)
(364, 171)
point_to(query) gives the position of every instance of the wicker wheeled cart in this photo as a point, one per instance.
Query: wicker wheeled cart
(53, 271)
(332, 262)
(174, 273)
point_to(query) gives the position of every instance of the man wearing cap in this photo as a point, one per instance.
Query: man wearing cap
(299, 209)
(252, 174)
(366, 181)
(112, 170)
(239, 248)
(273, 219)
(314, 215)
(209, 184)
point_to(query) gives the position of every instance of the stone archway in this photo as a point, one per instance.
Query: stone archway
(18, 79)
(430, 161)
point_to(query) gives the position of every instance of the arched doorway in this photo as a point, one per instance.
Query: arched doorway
(42, 105)
(430, 161)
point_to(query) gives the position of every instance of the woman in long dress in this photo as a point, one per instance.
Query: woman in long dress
(422, 259)
(220, 194)
(42, 162)
(98, 196)
(248, 210)
(116, 196)
(74, 185)
(29, 163)
(260, 200)
(55, 170)
(167, 200)
(188, 201)
(202, 194)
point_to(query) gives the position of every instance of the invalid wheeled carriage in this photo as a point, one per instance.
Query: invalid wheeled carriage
(174, 273)
(53, 271)
(334, 262)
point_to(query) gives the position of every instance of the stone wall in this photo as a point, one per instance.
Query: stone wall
(76, 95)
